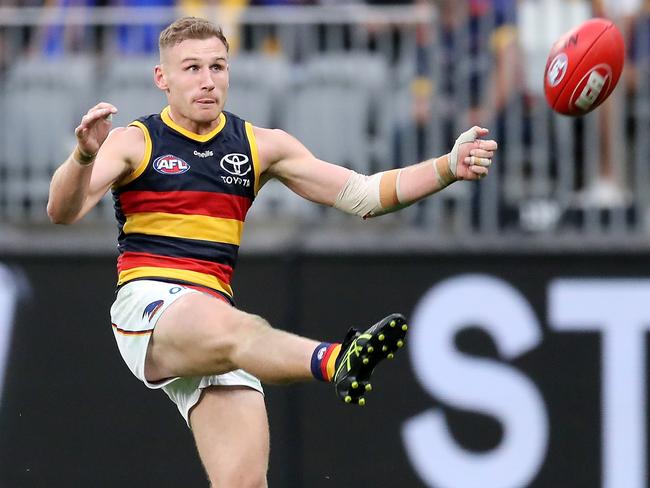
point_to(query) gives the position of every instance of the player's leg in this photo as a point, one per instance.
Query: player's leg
(200, 335)
(231, 431)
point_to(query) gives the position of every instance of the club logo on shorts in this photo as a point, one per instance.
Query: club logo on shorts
(151, 309)
(321, 353)
(170, 165)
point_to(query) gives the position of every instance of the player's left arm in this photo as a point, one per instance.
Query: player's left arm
(285, 158)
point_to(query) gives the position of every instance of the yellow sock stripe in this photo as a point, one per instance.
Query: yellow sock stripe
(331, 362)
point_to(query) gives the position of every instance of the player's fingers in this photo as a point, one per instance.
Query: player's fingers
(110, 110)
(480, 131)
(103, 105)
(487, 144)
(95, 114)
(481, 153)
(102, 112)
(477, 161)
(85, 120)
(480, 171)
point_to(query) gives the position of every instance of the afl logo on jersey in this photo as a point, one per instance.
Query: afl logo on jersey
(236, 164)
(170, 165)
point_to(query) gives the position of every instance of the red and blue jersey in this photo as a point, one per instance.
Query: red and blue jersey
(181, 212)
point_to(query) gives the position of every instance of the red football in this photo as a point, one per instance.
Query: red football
(583, 67)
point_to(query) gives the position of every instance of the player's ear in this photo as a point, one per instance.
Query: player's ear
(159, 77)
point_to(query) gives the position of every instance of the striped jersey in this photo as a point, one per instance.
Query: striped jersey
(181, 212)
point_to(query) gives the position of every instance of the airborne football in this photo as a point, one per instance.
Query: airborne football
(583, 67)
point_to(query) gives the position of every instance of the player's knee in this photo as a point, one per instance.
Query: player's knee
(247, 330)
(234, 336)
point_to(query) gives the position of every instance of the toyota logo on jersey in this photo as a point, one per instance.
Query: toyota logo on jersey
(236, 164)
(170, 165)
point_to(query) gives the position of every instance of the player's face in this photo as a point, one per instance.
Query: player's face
(194, 74)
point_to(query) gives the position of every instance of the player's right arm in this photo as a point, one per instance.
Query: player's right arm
(102, 157)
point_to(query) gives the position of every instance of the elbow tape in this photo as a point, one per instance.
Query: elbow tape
(370, 196)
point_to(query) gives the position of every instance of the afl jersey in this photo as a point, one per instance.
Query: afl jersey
(181, 212)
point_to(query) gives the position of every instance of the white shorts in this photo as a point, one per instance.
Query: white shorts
(134, 314)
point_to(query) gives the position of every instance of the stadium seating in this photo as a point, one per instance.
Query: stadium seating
(39, 127)
(128, 84)
(259, 85)
(340, 108)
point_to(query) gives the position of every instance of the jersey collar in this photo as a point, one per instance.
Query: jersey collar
(195, 137)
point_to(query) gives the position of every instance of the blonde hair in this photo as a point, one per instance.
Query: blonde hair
(190, 28)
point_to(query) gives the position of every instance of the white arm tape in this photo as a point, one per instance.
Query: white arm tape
(467, 136)
(360, 195)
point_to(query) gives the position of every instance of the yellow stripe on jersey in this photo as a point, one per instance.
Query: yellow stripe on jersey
(201, 227)
(145, 159)
(167, 119)
(193, 277)
(254, 153)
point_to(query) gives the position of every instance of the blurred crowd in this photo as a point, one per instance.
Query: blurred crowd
(509, 74)
(500, 68)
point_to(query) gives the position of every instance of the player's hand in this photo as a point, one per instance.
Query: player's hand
(94, 128)
(471, 157)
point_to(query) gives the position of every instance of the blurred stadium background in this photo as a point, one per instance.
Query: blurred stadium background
(528, 291)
